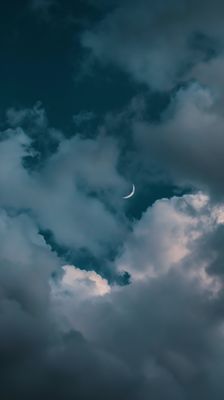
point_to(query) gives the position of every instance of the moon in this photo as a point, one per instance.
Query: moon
(130, 194)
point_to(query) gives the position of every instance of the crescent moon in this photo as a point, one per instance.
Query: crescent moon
(130, 194)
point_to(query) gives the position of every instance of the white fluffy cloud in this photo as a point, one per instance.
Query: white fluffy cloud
(168, 325)
(162, 238)
(88, 283)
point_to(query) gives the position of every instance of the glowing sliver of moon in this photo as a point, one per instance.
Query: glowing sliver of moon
(130, 194)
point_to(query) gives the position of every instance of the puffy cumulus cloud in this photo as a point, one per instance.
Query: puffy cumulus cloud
(157, 43)
(67, 333)
(71, 291)
(76, 193)
(167, 328)
(26, 261)
(88, 281)
(72, 335)
(171, 235)
(188, 142)
(37, 358)
(179, 46)
(162, 238)
(82, 182)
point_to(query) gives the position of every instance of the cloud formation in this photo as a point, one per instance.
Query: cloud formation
(67, 333)
(160, 335)
(167, 325)
(78, 180)
(189, 140)
(70, 331)
(158, 43)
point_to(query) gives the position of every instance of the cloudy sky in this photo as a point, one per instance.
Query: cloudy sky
(101, 297)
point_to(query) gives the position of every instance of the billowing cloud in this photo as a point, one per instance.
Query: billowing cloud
(162, 238)
(189, 140)
(76, 194)
(69, 331)
(88, 283)
(166, 326)
(177, 48)
(157, 43)
(37, 357)
(62, 327)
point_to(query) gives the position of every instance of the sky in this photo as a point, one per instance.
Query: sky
(103, 297)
